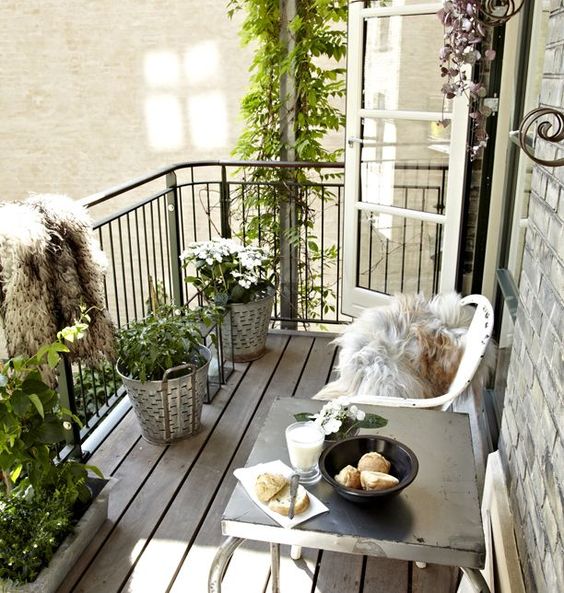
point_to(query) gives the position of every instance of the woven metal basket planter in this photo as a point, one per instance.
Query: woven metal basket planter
(171, 409)
(245, 328)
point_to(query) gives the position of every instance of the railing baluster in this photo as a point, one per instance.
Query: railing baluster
(174, 238)
(124, 283)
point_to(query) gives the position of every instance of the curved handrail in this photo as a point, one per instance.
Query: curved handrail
(99, 197)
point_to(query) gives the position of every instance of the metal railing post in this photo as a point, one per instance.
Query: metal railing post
(68, 401)
(225, 205)
(288, 256)
(172, 206)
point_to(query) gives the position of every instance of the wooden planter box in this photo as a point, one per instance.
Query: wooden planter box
(72, 547)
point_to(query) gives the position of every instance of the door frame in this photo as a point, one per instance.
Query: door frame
(355, 299)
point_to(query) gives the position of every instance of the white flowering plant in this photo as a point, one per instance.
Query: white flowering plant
(228, 271)
(340, 418)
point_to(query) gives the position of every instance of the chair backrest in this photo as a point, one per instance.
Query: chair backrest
(477, 339)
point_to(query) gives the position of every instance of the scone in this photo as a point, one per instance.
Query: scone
(374, 462)
(377, 480)
(349, 476)
(267, 485)
(280, 503)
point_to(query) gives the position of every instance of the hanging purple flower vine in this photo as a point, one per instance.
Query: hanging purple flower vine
(465, 31)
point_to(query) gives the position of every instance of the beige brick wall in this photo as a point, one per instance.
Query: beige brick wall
(532, 437)
(95, 93)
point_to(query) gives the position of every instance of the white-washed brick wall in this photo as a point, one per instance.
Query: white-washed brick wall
(532, 433)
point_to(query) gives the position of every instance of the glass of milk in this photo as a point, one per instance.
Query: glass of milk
(305, 443)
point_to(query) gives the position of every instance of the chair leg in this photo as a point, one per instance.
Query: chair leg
(295, 552)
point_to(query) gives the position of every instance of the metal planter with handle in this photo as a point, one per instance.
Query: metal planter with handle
(170, 410)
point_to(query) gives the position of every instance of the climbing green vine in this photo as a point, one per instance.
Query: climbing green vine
(310, 54)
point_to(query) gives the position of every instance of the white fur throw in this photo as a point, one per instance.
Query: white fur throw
(49, 266)
(410, 348)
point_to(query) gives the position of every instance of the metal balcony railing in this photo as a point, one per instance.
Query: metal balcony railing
(144, 225)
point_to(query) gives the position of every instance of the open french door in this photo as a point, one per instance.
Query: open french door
(404, 173)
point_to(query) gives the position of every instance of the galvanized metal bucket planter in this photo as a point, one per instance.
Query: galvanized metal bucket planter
(171, 409)
(245, 327)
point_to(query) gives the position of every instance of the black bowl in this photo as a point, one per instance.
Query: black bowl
(404, 465)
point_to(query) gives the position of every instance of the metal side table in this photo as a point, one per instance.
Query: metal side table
(436, 519)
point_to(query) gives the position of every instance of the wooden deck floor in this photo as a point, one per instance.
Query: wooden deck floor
(164, 515)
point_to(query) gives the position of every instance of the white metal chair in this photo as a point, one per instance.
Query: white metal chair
(477, 339)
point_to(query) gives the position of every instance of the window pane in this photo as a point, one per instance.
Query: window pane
(404, 164)
(398, 254)
(401, 63)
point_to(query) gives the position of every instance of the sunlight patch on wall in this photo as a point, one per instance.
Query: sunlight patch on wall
(163, 116)
(207, 117)
(162, 69)
(201, 62)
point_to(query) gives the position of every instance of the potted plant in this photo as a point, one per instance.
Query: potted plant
(42, 499)
(239, 278)
(164, 367)
(339, 419)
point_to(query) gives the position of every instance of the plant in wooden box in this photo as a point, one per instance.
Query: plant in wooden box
(164, 367)
(240, 279)
(41, 497)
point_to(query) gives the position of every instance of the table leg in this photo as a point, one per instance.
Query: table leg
(275, 567)
(477, 580)
(220, 562)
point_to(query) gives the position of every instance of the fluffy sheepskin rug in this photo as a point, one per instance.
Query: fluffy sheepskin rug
(409, 349)
(50, 264)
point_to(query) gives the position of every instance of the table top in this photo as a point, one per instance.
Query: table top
(435, 519)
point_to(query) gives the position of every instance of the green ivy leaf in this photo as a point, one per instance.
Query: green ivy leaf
(34, 398)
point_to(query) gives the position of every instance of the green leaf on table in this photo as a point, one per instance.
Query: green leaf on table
(303, 417)
(372, 421)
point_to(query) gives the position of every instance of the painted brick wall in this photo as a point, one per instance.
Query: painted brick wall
(532, 434)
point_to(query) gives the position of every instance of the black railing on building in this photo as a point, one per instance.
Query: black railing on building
(144, 225)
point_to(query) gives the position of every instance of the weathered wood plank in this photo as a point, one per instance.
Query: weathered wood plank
(317, 369)
(158, 483)
(383, 575)
(296, 576)
(165, 511)
(168, 543)
(111, 453)
(193, 574)
(434, 578)
(339, 573)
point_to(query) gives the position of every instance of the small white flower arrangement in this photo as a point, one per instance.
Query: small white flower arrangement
(340, 418)
(228, 271)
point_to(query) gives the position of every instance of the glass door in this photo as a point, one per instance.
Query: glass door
(404, 173)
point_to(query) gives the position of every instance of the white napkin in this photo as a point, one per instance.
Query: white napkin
(248, 476)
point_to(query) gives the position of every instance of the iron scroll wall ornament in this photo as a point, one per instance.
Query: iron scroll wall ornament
(497, 12)
(551, 130)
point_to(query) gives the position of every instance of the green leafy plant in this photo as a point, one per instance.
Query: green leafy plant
(33, 422)
(31, 530)
(227, 271)
(278, 205)
(169, 336)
